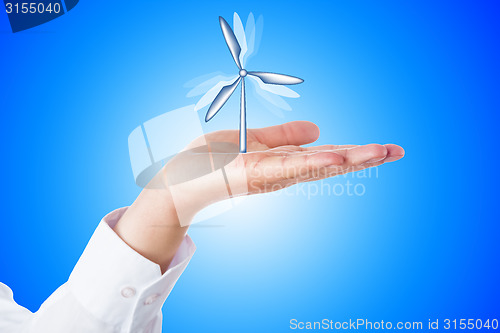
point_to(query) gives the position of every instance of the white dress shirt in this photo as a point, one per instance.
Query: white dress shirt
(111, 289)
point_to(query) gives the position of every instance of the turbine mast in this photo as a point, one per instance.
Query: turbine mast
(243, 119)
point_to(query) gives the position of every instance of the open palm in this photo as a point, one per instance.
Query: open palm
(277, 159)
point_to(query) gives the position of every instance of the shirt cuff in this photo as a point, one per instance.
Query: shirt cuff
(118, 285)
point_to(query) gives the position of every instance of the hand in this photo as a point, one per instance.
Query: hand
(157, 221)
(275, 160)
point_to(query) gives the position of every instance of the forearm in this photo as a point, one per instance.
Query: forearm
(151, 227)
(157, 222)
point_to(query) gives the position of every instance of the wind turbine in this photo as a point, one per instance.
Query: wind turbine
(227, 90)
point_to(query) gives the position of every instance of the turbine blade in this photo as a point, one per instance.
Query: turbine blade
(250, 38)
(254, 35)
(274, 78)
(275, 88)
(239, 33)
(221, 99)
(212, 93)
(205, 85)
(272, 102)
(231, 41)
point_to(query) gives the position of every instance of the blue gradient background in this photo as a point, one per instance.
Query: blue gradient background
(422, 242)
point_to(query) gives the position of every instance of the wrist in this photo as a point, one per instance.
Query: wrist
(193, 195)
(151, 227)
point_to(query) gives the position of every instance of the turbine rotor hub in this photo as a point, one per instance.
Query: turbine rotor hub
(243, 73)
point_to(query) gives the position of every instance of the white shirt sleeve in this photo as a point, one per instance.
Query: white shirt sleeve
(111, 289)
